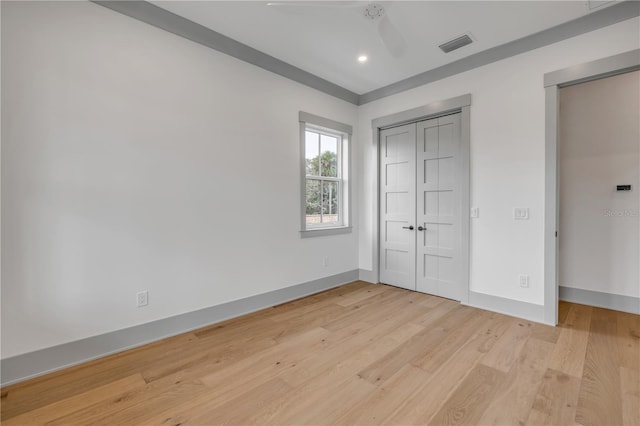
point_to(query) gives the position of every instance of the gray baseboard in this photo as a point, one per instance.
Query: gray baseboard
(368, 276)
(515, 308)
(37, 363)
(602, 300)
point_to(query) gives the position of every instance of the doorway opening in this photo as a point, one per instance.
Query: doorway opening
(554, 82)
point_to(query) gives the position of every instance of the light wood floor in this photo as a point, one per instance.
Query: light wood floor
(358, 355)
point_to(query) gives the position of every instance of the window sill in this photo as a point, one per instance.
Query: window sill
(323, 232)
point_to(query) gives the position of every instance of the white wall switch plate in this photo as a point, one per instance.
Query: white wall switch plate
(524, 281)
(475, 212)
(521, 213)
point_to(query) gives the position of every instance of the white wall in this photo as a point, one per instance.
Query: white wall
(507, 156)
(599, 148)
(134, 159)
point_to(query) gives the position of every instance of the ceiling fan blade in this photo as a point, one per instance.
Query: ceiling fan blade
(391, 37)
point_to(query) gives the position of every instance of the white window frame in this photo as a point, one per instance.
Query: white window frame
(343, 132)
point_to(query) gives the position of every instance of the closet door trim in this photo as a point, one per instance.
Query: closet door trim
(461, 104)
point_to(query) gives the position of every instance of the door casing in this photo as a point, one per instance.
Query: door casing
(594, 70)
(460, 104)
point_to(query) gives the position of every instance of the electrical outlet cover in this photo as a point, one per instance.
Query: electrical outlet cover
(524, 281)
(142, 298)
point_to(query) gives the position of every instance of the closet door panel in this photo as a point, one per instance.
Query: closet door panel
(438, 247)
(398, 206)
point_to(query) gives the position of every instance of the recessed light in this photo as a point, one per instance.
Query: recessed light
(362, 59)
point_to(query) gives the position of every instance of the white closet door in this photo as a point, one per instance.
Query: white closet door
(398, 206)
(438, 207)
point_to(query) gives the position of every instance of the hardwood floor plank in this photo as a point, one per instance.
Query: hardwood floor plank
(206, 353)
(71, 404)
(568, 355)
(469, 400)
(577, 315)
(629, 340)
(630, 388)
(362, 350)
(600, 399)
(309, 303)
(359, 296)
(563, 311)
(388, 365)
(233, 411)
(227, 331)
(135, 403)
(188, 383)
(405, 310)
(232, 340)
(385, 398)
(297, 365)
(433, 301)
(45, 390)
(337, 377)
(507, 349)
(437, 362)
(229, 383)
(435, 313)
(341, 368)
(333, 294)
(319, 318)
(434, 354)
(428, 399)
(276, 362)
(298, 312)
(556, 401)
(262, 365)
(545, 333)
(489, 333)
(387, 303)
(516, 395)
(301, 406)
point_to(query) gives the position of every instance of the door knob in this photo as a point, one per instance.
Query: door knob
(408, 227)
(420, 228)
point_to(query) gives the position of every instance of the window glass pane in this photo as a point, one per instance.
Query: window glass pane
(330, 202)
(323, 182)
(311, 153)
(329, 156)
(314, 201)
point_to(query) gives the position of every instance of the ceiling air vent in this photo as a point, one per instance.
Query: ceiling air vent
(456, 43)
(594, 4)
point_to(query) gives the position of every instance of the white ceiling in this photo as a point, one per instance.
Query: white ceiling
(325, 38)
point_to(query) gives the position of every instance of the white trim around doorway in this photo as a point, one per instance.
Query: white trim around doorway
(594, 70)
(459, 104)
